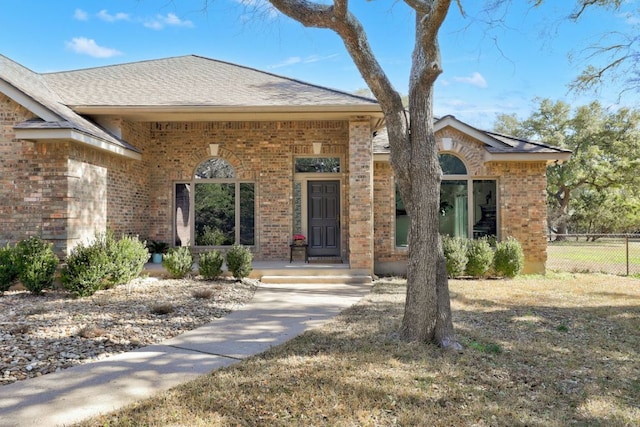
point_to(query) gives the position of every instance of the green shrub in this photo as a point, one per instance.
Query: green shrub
(87, 269)
(103, 264)
(479, 257)
(128, 256)
(178, 262)
(508, 259)
(37, 264)
(239, 261)
(210, 237)
(211, 264)
(455, 253)
(8, 267)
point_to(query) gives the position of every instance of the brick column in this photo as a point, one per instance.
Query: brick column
(360, 194)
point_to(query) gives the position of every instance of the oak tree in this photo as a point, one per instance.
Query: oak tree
(413, 150)
(605, 159)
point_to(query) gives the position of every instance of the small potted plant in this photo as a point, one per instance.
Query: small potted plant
(299, 239)
(157, 249)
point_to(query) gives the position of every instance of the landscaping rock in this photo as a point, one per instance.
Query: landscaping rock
(53, 331)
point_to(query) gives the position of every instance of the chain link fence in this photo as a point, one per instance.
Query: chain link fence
(594, 253)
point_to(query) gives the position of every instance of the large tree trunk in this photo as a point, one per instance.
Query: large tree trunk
(563, 197)
(427, 314)
(414, 152)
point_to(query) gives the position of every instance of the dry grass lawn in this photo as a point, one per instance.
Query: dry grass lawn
(555, 351)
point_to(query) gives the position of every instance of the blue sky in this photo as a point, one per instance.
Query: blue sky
(488, 69)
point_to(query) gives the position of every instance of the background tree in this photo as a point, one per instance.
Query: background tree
(615, 57)
(603, 166)
(595, 211)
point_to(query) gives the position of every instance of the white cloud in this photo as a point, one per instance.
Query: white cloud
(298, 60)
(80, 15)
(475, 79)
(168, 20)
(318, 58)
(289, 61)
(107, 17)
(85, 46)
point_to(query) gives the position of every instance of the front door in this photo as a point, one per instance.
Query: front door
(324, 218)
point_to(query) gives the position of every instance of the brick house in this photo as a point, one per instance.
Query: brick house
(203, 153)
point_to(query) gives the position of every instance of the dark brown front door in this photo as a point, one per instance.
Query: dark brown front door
(324, 218)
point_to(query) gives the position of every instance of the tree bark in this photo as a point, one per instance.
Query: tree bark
(414, 152)
(563, 197)
(427, 314)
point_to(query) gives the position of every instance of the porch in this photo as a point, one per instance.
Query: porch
(291, 272)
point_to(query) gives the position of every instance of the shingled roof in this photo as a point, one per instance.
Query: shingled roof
(22, 83)
(497, 146)
(191, 81)
(202, 88)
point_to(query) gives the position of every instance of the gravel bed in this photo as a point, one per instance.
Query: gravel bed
(51, 332)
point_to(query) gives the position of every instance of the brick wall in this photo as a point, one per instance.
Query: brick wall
(522, 208)
(384, 216)
(260, 152)
(64, 191)
(67, 192)
(25, 183)
(360, 195)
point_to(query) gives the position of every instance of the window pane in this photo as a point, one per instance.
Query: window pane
(215, 168)
(453, 208)
(484, 208)
(451, 165)
(402, 221)
(182, 215)
(247, 214)
(317, 164)
(215, 214)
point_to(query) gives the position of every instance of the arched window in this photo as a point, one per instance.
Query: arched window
(215, 208)
(467, 206)
(451, 165)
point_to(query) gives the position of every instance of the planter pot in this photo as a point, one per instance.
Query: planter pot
(299, 242)
(156, 258)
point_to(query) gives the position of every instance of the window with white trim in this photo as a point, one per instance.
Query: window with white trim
(215, 208)
(467, 206)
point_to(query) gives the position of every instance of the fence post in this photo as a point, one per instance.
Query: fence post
(626, 239)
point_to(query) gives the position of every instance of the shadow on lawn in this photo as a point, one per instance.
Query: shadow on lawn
(522, 365)
(527, 364)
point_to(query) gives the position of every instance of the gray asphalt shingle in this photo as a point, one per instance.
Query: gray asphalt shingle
(35, 87)
(504, 143)
(190, 81)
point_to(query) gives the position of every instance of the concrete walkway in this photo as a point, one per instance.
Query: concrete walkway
(276, 314)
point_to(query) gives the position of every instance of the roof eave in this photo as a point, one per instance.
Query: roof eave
(230, 113)
(77, 136)
(549, 158)
(469, 130)
(558, 157)
(27, 101)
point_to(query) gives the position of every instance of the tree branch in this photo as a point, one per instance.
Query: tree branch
(615, 4)
(338, 18)
(426, 55)
(420, 6)
(434, 19)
